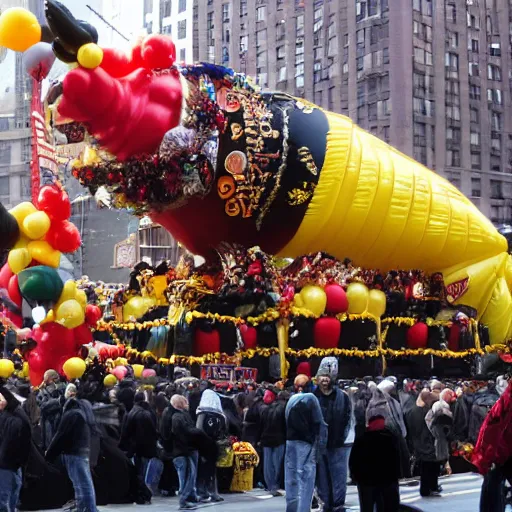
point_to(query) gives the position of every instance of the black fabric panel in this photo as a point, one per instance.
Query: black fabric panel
(356, 334)
(227, 333)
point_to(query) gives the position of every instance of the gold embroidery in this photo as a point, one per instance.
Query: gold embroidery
(298, 196)
(237, 131)
(225, 187)
(306, 158)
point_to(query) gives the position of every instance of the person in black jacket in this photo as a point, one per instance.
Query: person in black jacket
(332, 466)
(15, 441)
(73, 441)
(273, 440)
(375, 467)
(139, 437)
(186, 439)
(424, 444)
(211, 420)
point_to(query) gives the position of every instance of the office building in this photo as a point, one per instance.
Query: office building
(431, 77)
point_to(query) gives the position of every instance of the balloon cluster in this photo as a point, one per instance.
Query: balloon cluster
(327, 302)
(38, 234)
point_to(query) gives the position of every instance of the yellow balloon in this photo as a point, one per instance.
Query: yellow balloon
(19, 29)
(68, 291)
(70, 314)
(357, 295)
(50, 317)
(6, 368)
(22, 210)
(81, 297)
(377, 303)
(36, 225)
(74, 368)
(314, 298)
(110, 381)
(44, 253)
(121, 361)
(25, 371)
(90, 56)
(21, 243)
(136, 307)
(159, 284)
(18, 260)
(137, 370)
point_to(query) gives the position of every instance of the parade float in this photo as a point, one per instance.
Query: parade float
(319, 238)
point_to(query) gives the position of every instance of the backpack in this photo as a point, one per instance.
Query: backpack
(479, 410)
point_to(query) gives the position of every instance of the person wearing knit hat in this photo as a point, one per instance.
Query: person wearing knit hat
(70, 391)
(332, 466)
(15, 444)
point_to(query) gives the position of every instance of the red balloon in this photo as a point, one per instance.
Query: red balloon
(107, 104)
(55, 202)
(14, 291)
(206, 342)
(454, 337)
(417, 336)
(64, 236)
(82, 336)
(158, 52)
(57, 339)
(92, 314)
(249, 336)
(326, 333)
(5, 275)
(36, 367)
(17, 320)
(337, 301)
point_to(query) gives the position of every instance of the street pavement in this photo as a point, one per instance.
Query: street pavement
(461, 493)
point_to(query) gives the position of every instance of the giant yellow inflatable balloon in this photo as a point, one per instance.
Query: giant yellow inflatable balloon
(19, 29)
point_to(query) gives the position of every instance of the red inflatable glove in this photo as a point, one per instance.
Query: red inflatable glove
(129, 116)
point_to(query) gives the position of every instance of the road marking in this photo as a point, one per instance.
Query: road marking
(442, 495)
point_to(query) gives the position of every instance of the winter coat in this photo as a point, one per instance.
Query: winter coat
(15, 438)
(139, 434)
(337, 410)
(494, 445)
(304, 420)
(390, 408)
(51, 414)
(375, 458)
(422, 439)
(273, 425)
(440, 423)
(73, 436)
(185, 436)
(251, 425)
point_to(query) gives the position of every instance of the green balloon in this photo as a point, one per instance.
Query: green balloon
(40, 284)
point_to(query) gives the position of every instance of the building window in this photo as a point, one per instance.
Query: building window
(474, 45)
(282, 74)
(244, 43)
(385, 55)
(183, 55)
(451, 60)
(299, 25)
(496, 142)
(453, 178)
(494, 96)
(360, 10)
(496, 121)
(299, 53)
(453, 112)
(182, 6)
(473, 21)
(453, 135)
(4, 186)
(474, 69)
(281, 52)
(495, 50)
(475, 92)
(280, 31)
(5, 153)
(182, 29)
(493, 72)
(372, 112)
(423, 107)
(372, 7)
(496, 189)
(475, 139)
(451, 13)
(318, 20)
(361, 94)
(261, 60)
(453, 158)
(474, 115)
(476, 161)
(452, 39)
(476, 187)
(420, 154)
(167, 8)
(260, 13)
(243, 7)
(225, 13)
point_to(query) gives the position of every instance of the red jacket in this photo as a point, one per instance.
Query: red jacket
(494, 443)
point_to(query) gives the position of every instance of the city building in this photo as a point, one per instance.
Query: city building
(374, 60)
(172, 17)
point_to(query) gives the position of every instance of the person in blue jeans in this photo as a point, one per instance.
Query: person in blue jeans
(273, 439)
(15, 442)
(73, 441)
(332, 466)
(185, 437)
(306, 437)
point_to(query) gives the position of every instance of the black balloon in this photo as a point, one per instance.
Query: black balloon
(71, 33)
(9, 229)
(61, 53)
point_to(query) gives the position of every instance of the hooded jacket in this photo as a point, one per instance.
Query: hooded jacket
(210, 417)
(73, 436)
(440, 422)
(186, 437)
(494, 445)
(304, 420)
(139, 434)
(273, 424)
(422, 439)
(15, 438)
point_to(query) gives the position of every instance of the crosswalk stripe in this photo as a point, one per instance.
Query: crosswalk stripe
(443, 495)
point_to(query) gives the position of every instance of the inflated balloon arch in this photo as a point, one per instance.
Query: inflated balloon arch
(214, 159)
